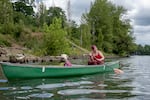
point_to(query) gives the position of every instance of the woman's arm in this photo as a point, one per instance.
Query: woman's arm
(91, 56)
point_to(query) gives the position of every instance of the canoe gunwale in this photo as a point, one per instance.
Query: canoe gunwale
(17, 71)
(56, 66)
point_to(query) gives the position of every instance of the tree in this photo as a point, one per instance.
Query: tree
(143, 50)
(41, 14)
(100, 20)
(73, 30)
(110, 31)
(23, 8)
(6, 17)
(55, 12)
(55, 41)
(27, 2)
(85, 36)
(23, 11)
(6, 12)
(122, 31)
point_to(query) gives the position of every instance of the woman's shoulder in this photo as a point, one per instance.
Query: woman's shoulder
(99, 51)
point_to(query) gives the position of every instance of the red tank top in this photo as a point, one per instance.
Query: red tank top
(98, 56)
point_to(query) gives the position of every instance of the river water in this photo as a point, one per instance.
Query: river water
(133, 84)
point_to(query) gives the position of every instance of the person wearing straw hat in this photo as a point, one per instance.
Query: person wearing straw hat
(67, 62)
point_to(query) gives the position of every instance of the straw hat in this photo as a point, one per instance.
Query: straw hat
(65, 56)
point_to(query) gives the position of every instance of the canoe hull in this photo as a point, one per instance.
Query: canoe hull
(16, 71)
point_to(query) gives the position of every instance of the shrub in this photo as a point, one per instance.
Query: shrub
(7, 28)
(55, 41)
(3, 41)
(10, 28)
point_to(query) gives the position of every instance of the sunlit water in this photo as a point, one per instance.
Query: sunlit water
(133, 84)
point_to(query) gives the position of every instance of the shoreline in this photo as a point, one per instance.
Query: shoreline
(18, 55)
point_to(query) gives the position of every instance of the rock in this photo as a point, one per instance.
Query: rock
(20, 56)
(2, 51)
(12, 59)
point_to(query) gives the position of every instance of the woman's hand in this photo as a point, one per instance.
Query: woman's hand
(96, 59)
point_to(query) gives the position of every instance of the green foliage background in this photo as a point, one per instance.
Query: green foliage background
(55, 41)
(47, 31)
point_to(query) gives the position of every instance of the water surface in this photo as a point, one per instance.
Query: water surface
(134, 84)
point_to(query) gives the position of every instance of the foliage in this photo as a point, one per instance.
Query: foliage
(85, 36)
(3, 41)
(73, 30)
(143, 50)
(56, 12)
(13, 29)
(80, 34)
(23, 12)
(104, 25)
(110, 31)
(28, 2)
(6, 12)
(101, 23)
(55, 41)
(23, 8)
(47, 15)
(41, 14)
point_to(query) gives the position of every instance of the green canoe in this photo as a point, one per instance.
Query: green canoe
(18, 71)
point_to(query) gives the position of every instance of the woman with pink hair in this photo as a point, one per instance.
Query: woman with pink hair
(96, 56)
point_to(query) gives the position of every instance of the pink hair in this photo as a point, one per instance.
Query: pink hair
(93, 47)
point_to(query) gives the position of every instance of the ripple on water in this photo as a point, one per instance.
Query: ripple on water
(92, 99)
(58, 85)
(41, 95)
(26, 88)
(50, 86)
(18, 92)
(76, 91)
(3, 81)
(140, 93)
(103, 85)
(87, 91)
(37, 95)
(4, 88)
(89, 87)
(78, 83)
(23, 98)
(7, 88)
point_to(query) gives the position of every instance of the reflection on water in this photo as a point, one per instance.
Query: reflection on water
(134, 84)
